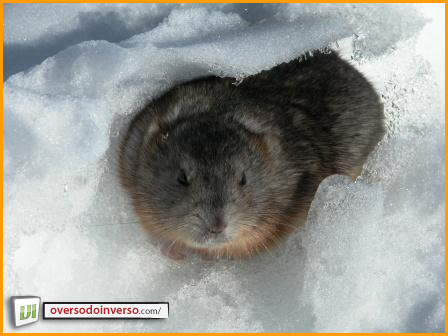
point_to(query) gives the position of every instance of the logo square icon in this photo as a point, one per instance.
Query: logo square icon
(25, 309)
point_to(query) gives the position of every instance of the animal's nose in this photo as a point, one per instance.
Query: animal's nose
(218, 225)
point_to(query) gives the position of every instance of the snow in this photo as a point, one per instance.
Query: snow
(371, 255)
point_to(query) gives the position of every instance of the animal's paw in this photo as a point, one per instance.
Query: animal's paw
(169, 250)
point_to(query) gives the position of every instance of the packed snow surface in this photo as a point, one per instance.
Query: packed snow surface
(371, 255)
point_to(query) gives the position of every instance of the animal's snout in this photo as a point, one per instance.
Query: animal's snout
(218, 225)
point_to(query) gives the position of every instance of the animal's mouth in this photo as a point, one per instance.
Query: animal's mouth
(216, 238)
(209, 239)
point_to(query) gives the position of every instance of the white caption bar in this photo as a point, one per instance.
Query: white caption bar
(105, 310)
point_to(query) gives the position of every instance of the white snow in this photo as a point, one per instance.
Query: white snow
(371, 256)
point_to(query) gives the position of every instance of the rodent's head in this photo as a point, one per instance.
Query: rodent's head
(208, 182)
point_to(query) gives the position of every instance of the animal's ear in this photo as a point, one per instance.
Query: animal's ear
(140, 132)
(272, 142)
(267, 144)
(151, 131)
(158, 121)
(263, 135)
(251, 123)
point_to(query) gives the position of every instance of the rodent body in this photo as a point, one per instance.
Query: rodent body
(227, 171)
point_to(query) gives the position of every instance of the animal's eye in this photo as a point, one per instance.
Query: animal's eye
(243, 180)
(182, 178)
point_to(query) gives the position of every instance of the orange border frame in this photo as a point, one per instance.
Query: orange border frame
(133, 1)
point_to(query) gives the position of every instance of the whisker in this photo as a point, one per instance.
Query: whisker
(112, 224)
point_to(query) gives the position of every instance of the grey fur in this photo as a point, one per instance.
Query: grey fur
(285, 129)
